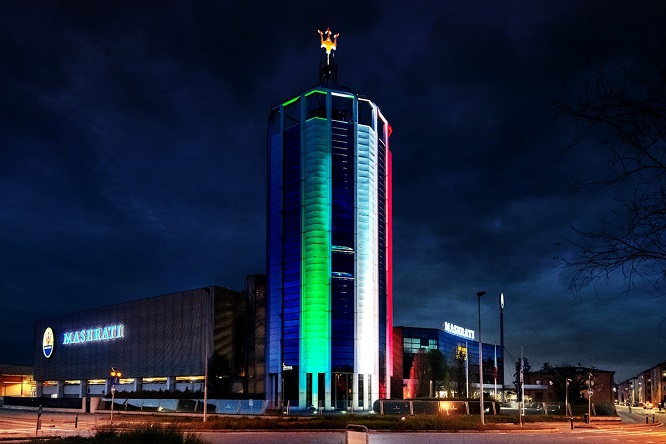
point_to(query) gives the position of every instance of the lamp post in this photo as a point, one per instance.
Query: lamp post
(502, 339)
(589, 396)
(483, 419)
(206, 327)
(115, 379)
(566, 396)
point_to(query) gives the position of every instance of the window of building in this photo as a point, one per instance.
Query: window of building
(292, 112)
(365, 116)
(316, 105)
(413, 345)
(343, 109)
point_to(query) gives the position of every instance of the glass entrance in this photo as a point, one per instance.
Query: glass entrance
(342, 390)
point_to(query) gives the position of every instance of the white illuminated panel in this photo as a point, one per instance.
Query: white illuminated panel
(367, 281)
(348, 96)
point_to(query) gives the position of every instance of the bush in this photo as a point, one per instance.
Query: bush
(143, 435)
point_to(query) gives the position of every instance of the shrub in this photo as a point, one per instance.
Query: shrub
(143, 435)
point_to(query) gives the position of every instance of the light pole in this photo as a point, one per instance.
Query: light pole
(589, 396)
(115, 379)
(483, 419)
(502, 339)
(566, 396)
(207, 327)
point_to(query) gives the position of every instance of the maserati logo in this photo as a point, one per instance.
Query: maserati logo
(328, 44)
(47, 342)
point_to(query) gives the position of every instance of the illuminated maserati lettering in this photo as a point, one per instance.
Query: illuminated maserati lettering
(94, 334)
(458, 331)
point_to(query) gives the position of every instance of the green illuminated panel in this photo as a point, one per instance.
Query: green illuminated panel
(316, 244)
(289, 102)
(317, 91)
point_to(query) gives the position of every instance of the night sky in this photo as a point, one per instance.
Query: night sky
(133, 157)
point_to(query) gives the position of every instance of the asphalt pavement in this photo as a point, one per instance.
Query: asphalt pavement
(20, 425)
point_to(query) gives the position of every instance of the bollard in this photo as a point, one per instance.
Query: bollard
(39, 420)
(76, 421)
(653, 418)
(646, 419)
(571, 422)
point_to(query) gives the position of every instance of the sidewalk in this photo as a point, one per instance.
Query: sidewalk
(637, 415)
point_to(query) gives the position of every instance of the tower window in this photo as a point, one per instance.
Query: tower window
(365, 113)
(316, 103)
(292, 113)
(343, 108)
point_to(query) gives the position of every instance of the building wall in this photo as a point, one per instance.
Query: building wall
(152, 342)
(658, 384)
(649, 386)
(397, 380)
(256, 334)
(230, 336)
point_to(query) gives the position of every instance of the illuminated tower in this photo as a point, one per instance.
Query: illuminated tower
(329, 258)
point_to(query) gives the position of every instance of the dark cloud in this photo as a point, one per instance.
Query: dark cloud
(132, 155)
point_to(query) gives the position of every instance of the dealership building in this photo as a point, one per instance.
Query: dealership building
(158, 343)
(459, 347)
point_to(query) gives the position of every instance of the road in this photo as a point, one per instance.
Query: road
(632, 429)
(642, 435)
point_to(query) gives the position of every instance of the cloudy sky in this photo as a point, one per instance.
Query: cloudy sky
(133, 156)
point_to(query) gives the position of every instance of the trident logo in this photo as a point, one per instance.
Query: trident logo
(328, 44)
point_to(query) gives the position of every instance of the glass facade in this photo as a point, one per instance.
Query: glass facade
(329, 252)
(461, 354)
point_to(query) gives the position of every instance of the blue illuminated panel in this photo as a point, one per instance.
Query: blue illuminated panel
(291, 260)
(342, 290)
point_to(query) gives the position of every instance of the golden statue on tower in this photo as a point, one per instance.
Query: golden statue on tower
(328, 44)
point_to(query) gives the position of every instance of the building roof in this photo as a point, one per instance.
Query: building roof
(13, 369)
(574, 368)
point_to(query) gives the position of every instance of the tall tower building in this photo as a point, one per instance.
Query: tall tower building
(329, 258)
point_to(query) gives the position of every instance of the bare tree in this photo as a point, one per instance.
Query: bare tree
(627, 106)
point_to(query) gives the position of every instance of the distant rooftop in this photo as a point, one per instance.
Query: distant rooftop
(15, 370)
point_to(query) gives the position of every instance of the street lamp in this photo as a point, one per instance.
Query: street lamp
(589, 396)
(115, 379)
(566, 396)
(502, 339)
(206, 328)
(483, 419)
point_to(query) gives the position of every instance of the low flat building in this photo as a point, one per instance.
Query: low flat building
(158, 343)
(16, 380)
